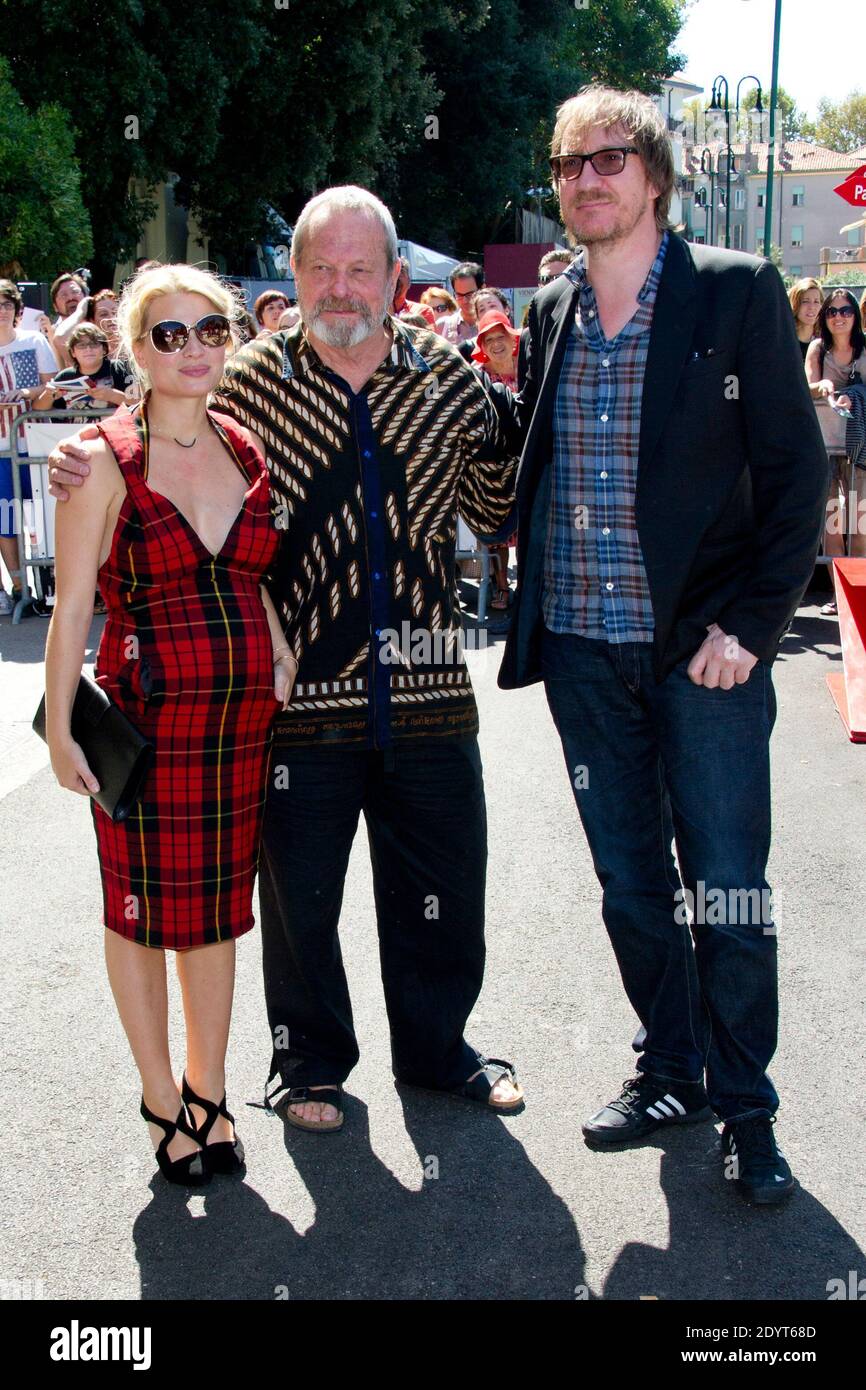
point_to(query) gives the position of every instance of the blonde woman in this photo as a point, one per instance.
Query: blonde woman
(175, 525)
(805, 298)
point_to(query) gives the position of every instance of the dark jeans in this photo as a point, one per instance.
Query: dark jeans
(427, 827)
(649, 763)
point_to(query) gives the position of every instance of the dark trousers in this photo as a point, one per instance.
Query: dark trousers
(427, 828)
(652, 762)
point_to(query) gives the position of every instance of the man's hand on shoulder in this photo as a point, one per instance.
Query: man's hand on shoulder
(720, 662)
(68, 463)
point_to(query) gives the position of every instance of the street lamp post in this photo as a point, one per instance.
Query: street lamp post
(771, 148)
(759, 104)
(707, 169)
(708, 207)
(759, 107)
(716, 105)
(731, 168)
(771, 144)
(701, 201)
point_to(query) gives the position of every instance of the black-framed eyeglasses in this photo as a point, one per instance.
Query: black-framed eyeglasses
(606, 162)
(172, 336)
(844, 311)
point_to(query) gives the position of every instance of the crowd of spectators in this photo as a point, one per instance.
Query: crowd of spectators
(55, 362)
(831, 334)
(69, 358)
(831, 331)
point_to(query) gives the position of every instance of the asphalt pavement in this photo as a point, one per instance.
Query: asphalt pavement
(423, 1198)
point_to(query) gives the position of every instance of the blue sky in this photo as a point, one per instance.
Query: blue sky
(821, 52)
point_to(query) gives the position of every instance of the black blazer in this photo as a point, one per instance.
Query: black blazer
(732, 471)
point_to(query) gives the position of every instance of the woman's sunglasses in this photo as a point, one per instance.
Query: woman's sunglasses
(171, 336)
(843, 310)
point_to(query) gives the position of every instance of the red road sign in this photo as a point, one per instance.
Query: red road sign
(853, 190)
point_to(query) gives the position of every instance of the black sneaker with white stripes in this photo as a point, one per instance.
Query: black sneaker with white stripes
(754, 1161)
(646, 1103)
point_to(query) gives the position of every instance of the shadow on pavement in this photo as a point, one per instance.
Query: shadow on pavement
(24, 642)
(811, 633)
(722, 1247)
(489, 1226)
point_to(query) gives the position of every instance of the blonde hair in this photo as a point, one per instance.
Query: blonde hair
(152, 284)
(802, 287)
(643, 123)
(434, 293)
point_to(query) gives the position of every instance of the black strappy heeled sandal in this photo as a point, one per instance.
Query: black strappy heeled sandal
(188, 1171)
(227, 1156)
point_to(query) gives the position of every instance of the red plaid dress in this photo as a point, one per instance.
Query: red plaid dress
(186, 652)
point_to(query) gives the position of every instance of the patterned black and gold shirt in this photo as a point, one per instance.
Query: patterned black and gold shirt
(367, 486)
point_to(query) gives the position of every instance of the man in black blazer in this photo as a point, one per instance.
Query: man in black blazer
(670, 503)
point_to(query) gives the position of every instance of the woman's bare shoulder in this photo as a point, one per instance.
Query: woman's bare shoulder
(105, 477)
(104, 457)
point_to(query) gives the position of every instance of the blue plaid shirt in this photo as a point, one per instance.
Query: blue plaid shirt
(595, 582)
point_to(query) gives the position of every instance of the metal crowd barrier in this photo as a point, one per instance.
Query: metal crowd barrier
(42, 503)
(468, 547)
(830, 428)
(833, 432)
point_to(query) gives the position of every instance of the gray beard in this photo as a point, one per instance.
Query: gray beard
(344, 335)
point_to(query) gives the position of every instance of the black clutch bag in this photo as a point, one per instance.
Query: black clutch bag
(117, 754)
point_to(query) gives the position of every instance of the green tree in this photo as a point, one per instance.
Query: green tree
(624, 42)
(44, 225)
(795, 123)
(261, 104)
(843, 277)
(251, 105)
(841, 125)
(143, 82)
(342, 92)
(499, 97)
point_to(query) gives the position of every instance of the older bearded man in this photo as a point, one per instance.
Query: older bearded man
(375, 434)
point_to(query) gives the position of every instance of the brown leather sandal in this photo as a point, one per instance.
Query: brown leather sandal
(301, 1095)
(478, 1088)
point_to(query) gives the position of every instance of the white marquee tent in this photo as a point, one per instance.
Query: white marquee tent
(426, 267)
